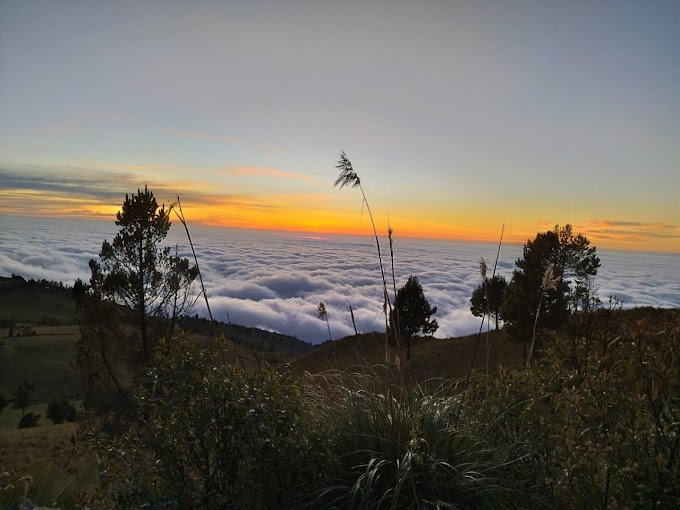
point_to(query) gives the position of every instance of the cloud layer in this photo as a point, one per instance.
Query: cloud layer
(275, 280)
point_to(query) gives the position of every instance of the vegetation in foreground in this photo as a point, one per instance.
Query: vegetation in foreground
(593, 423)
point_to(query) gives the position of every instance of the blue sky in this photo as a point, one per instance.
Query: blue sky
(458, 116)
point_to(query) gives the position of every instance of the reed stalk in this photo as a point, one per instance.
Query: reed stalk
(182, 219)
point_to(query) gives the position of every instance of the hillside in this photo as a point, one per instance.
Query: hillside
(35, 302)
(39, 333)
(430, 357)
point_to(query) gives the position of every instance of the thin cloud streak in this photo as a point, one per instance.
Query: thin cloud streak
(629, 232)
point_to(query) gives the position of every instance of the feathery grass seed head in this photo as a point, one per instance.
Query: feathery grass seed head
(347, 177)
(550, 278)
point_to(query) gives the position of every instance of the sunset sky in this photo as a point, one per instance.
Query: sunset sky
(457, 116)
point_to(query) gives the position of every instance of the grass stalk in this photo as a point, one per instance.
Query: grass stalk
(479, 333)
(549, 282)
(182, 219)
(348, 177)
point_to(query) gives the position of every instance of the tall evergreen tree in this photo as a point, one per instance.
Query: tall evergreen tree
(573, 262)
(135, 272)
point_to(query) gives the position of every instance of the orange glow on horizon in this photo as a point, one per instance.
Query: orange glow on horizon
(326, 214)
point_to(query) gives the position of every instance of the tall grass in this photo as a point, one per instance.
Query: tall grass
(401, 453)
(348, 177)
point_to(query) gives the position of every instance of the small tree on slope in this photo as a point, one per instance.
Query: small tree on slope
(414, 312)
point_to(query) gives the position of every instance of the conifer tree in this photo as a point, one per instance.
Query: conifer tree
(135, 272)
(414, 312)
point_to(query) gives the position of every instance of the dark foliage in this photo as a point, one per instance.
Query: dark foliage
(574, 262)
(596, 422)
(143, 278)
(23, 395)
(495, 289)
(138, 291)
(214, 436)
(60, 411)
(412, 313)
(28, 420)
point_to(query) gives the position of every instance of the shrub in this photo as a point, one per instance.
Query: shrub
(23, 395)
(61, 410)
(214, 436)
(28, 420)
(604, 431)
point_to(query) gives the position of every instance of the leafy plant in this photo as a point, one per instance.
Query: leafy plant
(213, 436)
(601, 433)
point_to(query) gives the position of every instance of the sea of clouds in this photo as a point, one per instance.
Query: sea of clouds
(275, 280)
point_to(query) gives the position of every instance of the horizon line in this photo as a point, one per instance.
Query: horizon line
(478, 240)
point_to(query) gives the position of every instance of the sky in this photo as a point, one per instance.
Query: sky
(458, 117)
(275, 280)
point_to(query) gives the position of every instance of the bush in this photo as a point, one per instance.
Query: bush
(28, 420)
(61, 410)
(23, 395)
(595, 423)
(214, 436)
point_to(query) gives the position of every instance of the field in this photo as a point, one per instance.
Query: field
(44, 359)
(48, 464)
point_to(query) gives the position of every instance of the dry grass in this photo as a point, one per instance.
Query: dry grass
(50, 465)
(430, 358)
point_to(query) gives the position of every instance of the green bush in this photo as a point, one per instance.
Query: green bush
(596, 424)
(211, 435)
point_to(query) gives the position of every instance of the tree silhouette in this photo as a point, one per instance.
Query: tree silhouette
(135, 272)
(22, 396)
(60, 411)
(495, 288)
(527, 299)
(414, 312)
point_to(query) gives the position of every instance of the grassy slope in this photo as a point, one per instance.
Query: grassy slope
(44, 360)
(430, 358)
(30, 303)
(45, 355)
